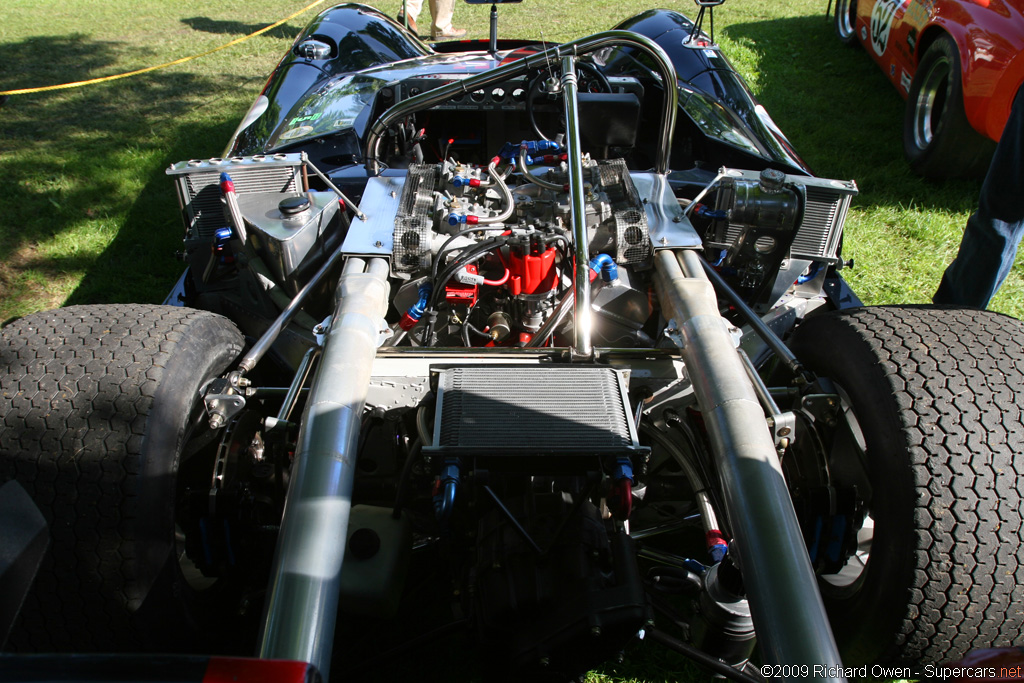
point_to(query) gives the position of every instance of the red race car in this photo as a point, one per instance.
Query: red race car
(959, 63)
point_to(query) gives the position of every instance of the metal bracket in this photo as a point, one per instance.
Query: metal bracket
(222, 402)
(823, 407)
(320, 330)
(783, 426)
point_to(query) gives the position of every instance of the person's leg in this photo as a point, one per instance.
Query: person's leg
(987, 252)
(443, 11)
(990, 240)
(413, 8)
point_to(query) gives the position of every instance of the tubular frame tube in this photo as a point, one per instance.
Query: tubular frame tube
(763, 331)
(302, 598)
(580, 46)
(297, 383)
(755, 380)
(785, 603)
(263, 344)
(578, 214)
(349, 204)
(699, 656)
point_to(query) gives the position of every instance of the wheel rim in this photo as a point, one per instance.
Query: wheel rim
(849, 579)
(930, 103)
(845, 17)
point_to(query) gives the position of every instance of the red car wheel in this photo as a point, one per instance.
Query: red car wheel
(938, 141)
(845, 21)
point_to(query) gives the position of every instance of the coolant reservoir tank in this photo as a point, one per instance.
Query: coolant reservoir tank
(376, 561)
(286, 228)
(764, 203)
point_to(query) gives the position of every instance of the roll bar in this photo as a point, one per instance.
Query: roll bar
(580, 46)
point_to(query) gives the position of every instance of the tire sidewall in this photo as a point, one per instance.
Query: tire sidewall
(845, 21)
(205, 353)
(865, 620)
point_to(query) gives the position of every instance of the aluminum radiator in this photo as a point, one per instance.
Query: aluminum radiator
(489, 411)
(198, 185)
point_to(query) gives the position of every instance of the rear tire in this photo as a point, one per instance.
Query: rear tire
(939, 396)
(938, 140)
(98, 403)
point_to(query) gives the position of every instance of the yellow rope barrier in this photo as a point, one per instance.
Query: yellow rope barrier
(78, 84)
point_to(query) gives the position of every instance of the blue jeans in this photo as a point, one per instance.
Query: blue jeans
(993, 232)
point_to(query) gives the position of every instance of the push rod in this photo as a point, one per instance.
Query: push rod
(786, 606)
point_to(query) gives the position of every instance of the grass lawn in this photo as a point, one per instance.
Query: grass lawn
(87, 214)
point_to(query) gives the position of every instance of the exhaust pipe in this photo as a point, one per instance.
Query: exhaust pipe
(788, 613)
(302, 600)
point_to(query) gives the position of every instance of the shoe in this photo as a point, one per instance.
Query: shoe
(450, 32)
(412, 23)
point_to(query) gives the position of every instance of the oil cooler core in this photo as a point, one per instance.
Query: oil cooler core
(515, 412)
(773, 206)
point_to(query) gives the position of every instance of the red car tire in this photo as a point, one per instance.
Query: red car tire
(938, 141)
(845, 22)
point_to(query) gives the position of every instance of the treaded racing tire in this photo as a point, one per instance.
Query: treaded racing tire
(98, 402)
(938, 140)
(939, 396)
(844, 21)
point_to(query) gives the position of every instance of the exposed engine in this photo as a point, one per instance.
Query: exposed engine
(488, 251)
(521, 489)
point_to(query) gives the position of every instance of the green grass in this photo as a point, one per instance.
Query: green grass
(87, 214)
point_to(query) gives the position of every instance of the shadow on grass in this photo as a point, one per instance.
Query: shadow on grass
(841, 113)
(84, 186)
(236, 27)
(139, 265)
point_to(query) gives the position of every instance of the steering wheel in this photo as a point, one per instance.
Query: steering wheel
(590, 79)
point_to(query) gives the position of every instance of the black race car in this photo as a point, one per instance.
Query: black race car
(525, 354)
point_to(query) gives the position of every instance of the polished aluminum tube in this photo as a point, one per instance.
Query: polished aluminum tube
(582, 317)
(349, 204)
(579, 46)
(302, 599)
(787, 609)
